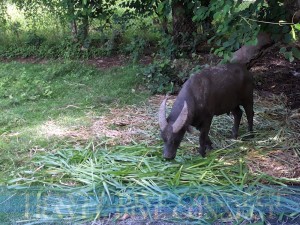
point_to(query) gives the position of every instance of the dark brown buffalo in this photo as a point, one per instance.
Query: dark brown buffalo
(213, 91)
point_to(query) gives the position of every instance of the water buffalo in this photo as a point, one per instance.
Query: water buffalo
(213, 91)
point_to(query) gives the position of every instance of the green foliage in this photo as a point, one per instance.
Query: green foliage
(167, 76)
(296, 52)
(16, 28)
(70, 9)
(38, 46)
(295, 31)
(47, 35)
(34, 39)
(78, 12)
(160, 76)
(293, 51)
(111, 27)
(290, 53)
(237, 23)
(167, 47)
(147, 7)
(136, 47)
(3, 14)
(232, 27)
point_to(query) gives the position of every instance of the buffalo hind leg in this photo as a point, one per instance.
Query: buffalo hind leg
(250, 114)
(237, 114)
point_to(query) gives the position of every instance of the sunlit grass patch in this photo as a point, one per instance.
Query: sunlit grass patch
(52, 105)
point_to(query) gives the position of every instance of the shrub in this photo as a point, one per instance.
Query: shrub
(34, 40)
(167, 76)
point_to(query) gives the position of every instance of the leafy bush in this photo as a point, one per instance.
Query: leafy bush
(136, 47)
(167, 76)
(34, 39)
(290, 53)
(159, 76)
(167, 48)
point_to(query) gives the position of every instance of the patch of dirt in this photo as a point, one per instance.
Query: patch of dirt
(51, 128)
(275, 74)
(25, 60)
(104, 62)
(130, 124)
(120, 126)
(276, 163)
(116, 61)
(126, 125)
(109, 62)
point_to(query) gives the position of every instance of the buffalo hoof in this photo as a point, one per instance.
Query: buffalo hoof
(233, 136)
(202, 152)
(248, 136)
(208, 147)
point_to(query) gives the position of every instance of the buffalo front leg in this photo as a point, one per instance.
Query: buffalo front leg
(208, 143)
(237, 114)
(203, 138)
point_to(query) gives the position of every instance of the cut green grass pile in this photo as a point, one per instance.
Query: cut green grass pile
(55, 178)
(89, 184)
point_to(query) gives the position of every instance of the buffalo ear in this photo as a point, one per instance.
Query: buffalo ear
(162, 115)
(180, 121)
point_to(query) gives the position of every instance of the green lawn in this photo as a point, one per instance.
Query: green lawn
(34, 94)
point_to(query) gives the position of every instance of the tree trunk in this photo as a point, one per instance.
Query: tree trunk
(207, 22)
(84, 29)
(164, 25)
(74, 30)
(73, 21)
(293, 10)
(183, 25)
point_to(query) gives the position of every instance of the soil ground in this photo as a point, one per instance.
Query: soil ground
(274, 74)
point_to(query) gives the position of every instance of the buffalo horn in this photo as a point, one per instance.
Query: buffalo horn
(180, 121)
(162, 115)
